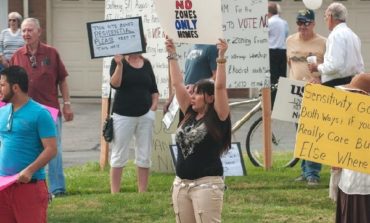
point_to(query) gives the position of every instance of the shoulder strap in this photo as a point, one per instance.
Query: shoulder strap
(109, 102)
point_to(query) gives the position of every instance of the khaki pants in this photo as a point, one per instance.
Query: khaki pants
(198, 200)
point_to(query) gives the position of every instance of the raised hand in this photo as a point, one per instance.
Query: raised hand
(222, 47)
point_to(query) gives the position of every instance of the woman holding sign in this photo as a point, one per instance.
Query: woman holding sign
(203, 135)
(134, 107)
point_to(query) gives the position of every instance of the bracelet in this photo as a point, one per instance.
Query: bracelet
(66, 102)
(172, 56)
(220, 60)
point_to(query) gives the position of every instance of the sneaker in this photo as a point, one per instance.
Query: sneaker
(312, 182)
(300, 179)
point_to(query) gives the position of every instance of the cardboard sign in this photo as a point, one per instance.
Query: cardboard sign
(232, 161)
(120, 36)
(288, 100)
(334, 128)
(191, 21)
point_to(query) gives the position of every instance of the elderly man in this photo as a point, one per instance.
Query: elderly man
(301, 45)
(46, 73)
(27, 135)
(342, 59)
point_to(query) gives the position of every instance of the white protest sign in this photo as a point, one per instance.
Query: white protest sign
(288, 100)
(232, 161)
(244, 24)
(191, 21)
(111, 37)
(245, 28)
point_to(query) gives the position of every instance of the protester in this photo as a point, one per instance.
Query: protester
(10, 38)
(134, 107)
(301, 45)
(28, 143)
(353, 201)
(278, 32)
(203, 135)
(342, 59)
(46, 73)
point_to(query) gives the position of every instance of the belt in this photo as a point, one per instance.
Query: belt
(33, 181)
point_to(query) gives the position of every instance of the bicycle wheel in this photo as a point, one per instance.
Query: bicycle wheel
(282, 146)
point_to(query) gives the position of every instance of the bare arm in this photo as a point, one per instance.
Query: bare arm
(221, 98)
(116, 78)
(67, 110)
(50, 150)
(177, 81)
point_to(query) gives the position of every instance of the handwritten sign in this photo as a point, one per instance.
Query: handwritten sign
(288, 100)
(244, 24)
(121, 36)
(334, 128)
(191, 21)
(232, 161)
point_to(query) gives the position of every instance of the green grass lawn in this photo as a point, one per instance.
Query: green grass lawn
(261, 196)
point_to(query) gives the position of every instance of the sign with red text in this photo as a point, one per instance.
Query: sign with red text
(191, 21)
(334, 128)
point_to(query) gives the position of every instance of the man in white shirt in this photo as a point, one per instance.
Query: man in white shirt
(342, 59)
(278, 32)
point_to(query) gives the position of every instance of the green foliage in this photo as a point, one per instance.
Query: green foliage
(261, 196)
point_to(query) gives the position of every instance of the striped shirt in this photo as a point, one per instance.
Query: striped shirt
(10, 42)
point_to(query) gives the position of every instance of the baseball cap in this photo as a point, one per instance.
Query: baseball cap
(306, 15)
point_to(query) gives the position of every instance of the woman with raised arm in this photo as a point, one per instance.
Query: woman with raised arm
(202, 137)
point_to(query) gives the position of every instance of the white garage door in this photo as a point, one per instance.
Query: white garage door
(69, 36)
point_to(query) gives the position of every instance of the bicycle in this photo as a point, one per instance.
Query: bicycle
(283, 133)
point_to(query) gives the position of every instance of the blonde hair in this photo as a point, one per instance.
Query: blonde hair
(17, 16)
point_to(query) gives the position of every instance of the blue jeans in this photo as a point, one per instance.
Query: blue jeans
(310, 170)
(56, 176)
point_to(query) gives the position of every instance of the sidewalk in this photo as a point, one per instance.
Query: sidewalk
(81, 137)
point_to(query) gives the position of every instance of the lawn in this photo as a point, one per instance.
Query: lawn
(261, 196)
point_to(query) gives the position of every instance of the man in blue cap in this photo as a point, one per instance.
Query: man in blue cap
(301, 45)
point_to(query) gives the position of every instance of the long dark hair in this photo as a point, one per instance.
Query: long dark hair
(207, 87)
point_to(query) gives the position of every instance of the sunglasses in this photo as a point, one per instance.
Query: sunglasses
(299, 23)
(33, 61)
(12, 20)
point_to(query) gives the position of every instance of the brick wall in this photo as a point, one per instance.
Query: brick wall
(37, 9)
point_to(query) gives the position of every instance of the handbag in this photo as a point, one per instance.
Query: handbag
(108, 124)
